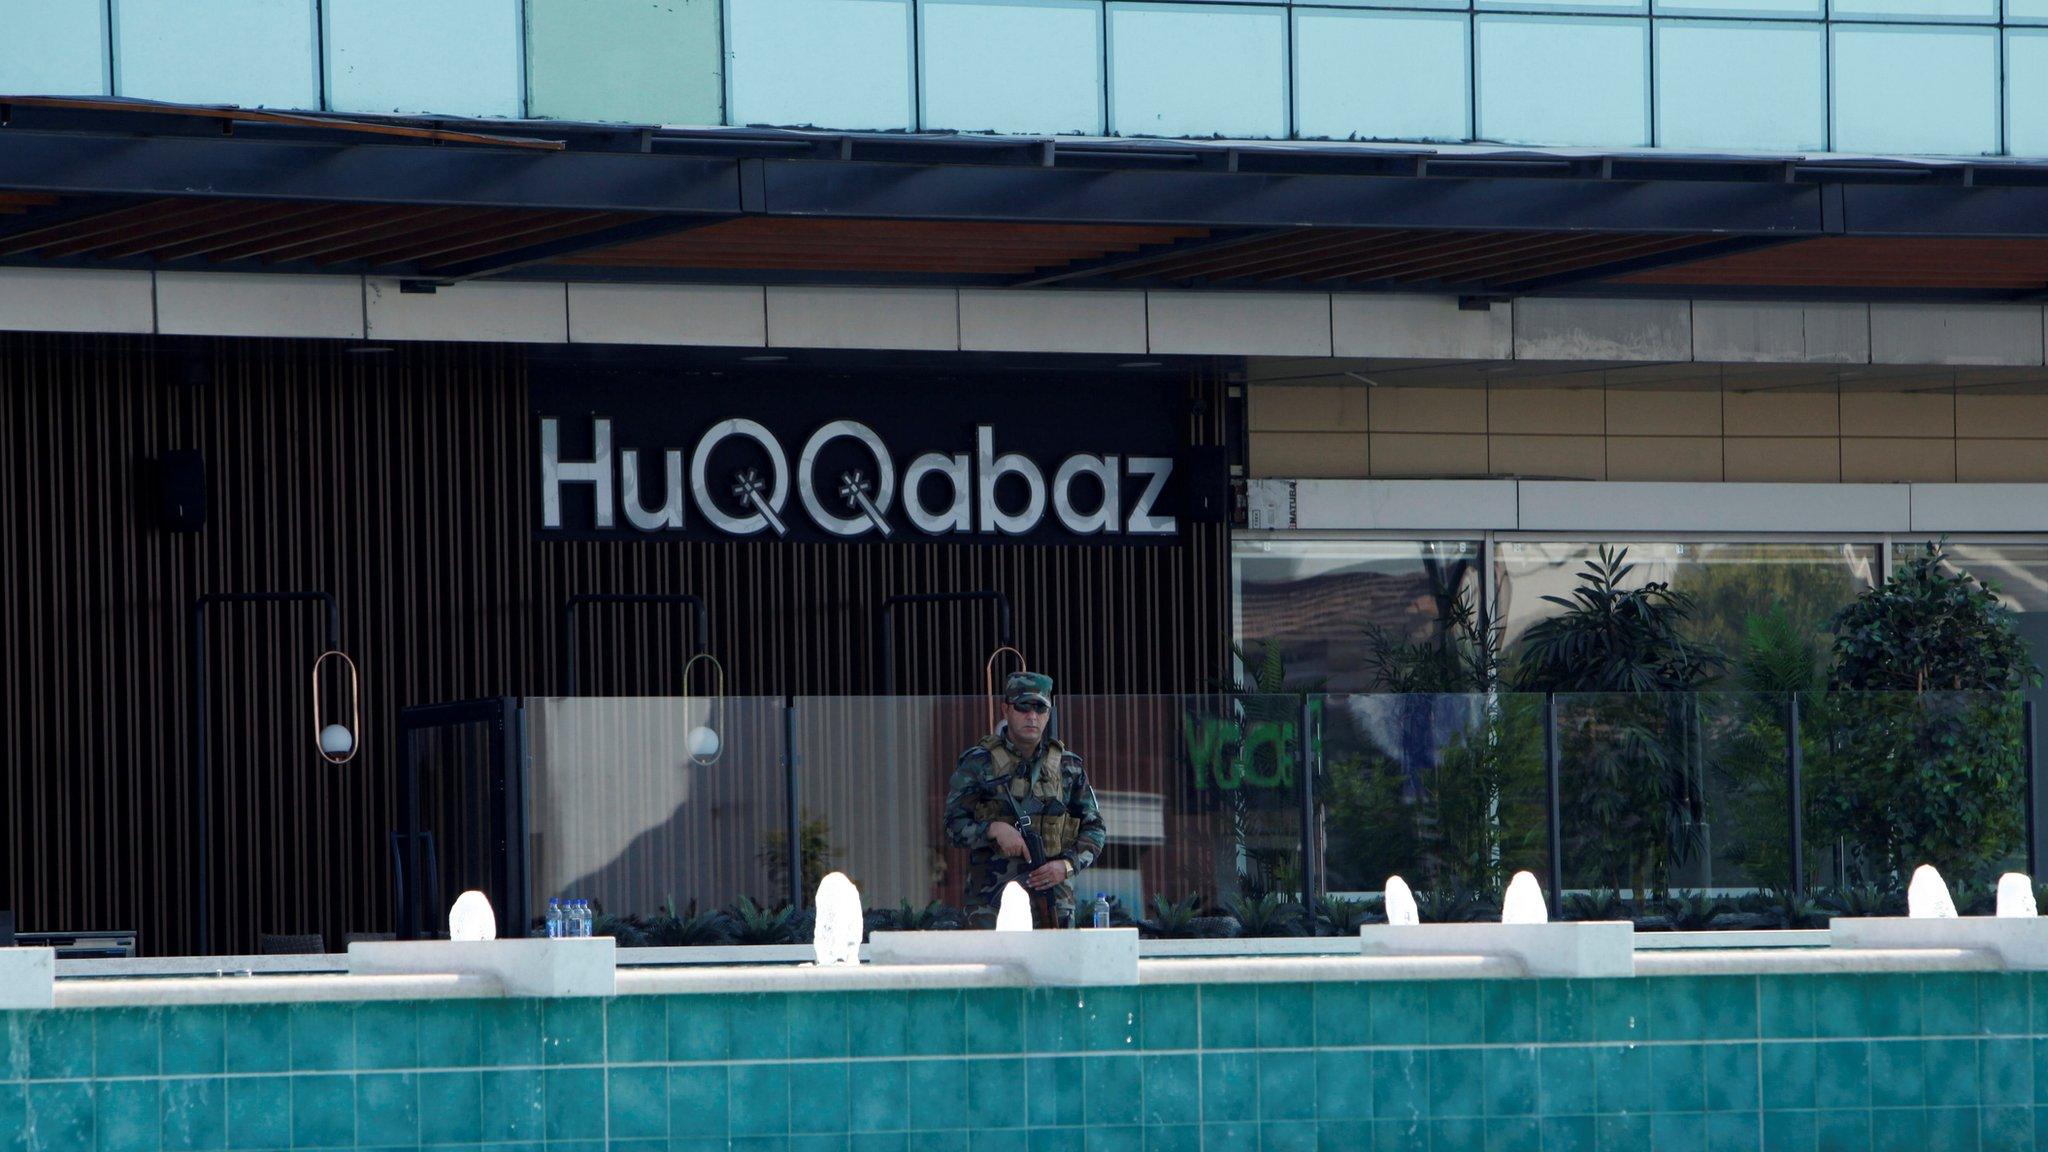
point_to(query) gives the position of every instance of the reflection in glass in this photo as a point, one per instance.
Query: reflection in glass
(1731, 581)
(1318, 599)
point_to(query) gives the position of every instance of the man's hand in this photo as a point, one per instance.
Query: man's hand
(1051, 874)
(1009, 841)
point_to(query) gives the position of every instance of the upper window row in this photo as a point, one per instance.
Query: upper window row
(1771, 82)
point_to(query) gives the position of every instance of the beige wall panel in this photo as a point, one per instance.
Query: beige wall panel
(1746, 413)
(2001, 461)
(1548, 457)
(1429, 410)
(1869, 460)
(1793, 459)
(1416, 454)
(1664, 458)
(1915, 414)
(2001, 416)
(1299, 455)
(1660, 412)
(1554, 411)
(1295, 408)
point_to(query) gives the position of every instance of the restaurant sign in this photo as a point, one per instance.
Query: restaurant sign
(629, 456)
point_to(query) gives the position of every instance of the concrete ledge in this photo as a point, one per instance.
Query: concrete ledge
(808, 978)
(1815, 961)
(144, 967)
(1732, 938)
(1574, 949)
(524, 967)
(2020, 944)
(272, 990)
(28, 978)
(1319, 969)
(1088, 956)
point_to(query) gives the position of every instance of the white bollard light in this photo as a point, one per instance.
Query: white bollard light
(1523, 903)
(836, 938)
(1013, 913)
(472, 918)
(1400, 903)
(2016, 896)
(1927, 896)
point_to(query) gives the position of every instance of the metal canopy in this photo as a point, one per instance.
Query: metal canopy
(110, 183)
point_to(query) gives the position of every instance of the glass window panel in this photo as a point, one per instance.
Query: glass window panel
(1985, 11)
(1197, 70)
(256, 53)
(625, 60)
(1919, 89)
(1754, 9)
(53, 47)
(453, 57)
(1318, 600)
(1030, 67)
(2026, 11)
(2026, 91)
(1522, 60)
(1731, 582)
(827, 63)
(1416, 90)
(1722, 84)
(1591, 7)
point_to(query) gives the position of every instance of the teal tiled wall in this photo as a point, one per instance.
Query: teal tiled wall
(1813, 1064)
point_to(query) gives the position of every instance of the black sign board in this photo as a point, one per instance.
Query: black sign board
(639, 454)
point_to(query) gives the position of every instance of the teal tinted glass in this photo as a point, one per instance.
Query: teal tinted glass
(1523, 58)
(1985, 11)
(1776, 99)
(2026, 91)
(1915, 89)
(256, 53)
(1019, 66)
(829, 63)
(1197, 70)
(625, 60)
(1417, 89)
(457, 57)
(53, 47)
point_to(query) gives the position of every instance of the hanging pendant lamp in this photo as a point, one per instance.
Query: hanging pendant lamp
(704, 743)
(338, 743)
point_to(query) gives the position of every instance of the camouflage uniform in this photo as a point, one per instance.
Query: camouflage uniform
(1052, 788)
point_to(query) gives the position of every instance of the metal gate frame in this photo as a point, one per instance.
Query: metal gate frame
(413, 855)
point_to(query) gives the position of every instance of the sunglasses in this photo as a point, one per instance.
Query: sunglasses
(1031, 706)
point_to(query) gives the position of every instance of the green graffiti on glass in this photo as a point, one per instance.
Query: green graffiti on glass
(1234, 756)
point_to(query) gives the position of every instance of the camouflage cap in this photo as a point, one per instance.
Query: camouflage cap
(1028, 686)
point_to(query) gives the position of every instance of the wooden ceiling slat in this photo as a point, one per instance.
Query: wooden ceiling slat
(1591, 256)
(167, 224)
(1501, 246)
(492, 236)
(376, 240)
(1381, 265)
(1232, 261)
(100, 224)
(408, 221)
(345, 220)
(199, 241)
(524, 237)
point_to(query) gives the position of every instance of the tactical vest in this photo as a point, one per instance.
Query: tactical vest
(1043, 796)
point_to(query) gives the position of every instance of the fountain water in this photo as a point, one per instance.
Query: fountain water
(1927, 896)
(2016, 895)
(836, 939)
(1013, 914)
(1523, 903)
(1400, 903)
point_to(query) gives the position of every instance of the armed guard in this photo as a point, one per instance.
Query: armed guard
(1021, 806)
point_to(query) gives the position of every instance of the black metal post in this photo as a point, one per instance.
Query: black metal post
(794, 830)
(1552, 801)
(1795, 793)
(696, 603)
(886, 648)
(201, 766)
(2033, 802)
(1309, 856)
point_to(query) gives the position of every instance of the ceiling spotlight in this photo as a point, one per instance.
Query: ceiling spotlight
(769, 359)
(1139, 364)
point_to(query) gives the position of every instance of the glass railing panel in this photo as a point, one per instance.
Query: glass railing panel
(1893, 780)
(640, 802)
(1445, 791)
(1200, 795)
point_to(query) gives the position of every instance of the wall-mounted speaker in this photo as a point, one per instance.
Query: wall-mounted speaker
(181, 482)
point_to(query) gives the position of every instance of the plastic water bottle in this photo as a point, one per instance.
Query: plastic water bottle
(555, 920)
(583, 918)
(1100, 913)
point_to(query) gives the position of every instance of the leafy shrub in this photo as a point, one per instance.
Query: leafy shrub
(1599, 904)
(1343, 917)
(1268, 915)
(1692, 911)
(749, 923)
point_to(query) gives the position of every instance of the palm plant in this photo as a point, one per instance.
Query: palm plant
(1173, 921)
(1268, 915)
(749, 923)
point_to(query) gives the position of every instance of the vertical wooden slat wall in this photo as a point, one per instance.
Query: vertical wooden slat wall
(401, 483)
